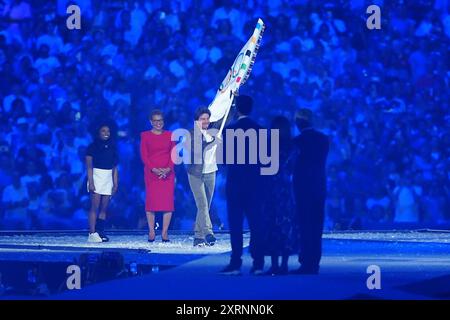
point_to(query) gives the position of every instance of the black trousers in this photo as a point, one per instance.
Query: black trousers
(310, 213)
(242, 204)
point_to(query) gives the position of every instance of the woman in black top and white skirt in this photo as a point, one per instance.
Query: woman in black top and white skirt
(101, 163)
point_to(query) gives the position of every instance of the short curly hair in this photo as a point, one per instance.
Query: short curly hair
(200, 111)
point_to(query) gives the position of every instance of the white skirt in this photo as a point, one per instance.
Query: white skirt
(103, 181)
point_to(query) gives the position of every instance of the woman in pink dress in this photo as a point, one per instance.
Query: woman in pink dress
(159, 175)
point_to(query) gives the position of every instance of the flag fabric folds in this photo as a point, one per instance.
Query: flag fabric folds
(236, 76)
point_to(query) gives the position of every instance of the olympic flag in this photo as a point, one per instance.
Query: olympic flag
(236, 76)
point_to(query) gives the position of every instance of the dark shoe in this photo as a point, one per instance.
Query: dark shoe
(151, 240)
(271, 272)
(231, 270)
(199, 242)
(305, 271)
(103, 236)
(100, 229)
(210, 239)
(256, 271)
(165, 238)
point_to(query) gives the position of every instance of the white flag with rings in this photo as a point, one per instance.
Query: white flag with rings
(236, 76)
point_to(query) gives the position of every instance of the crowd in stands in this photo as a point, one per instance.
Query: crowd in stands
(382, 96)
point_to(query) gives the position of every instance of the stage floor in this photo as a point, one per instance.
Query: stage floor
(414, 265)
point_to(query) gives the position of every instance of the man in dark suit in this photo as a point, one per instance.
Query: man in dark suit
(243, 187)
(310, 190)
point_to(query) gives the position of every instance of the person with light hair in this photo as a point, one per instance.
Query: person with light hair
(159, 175)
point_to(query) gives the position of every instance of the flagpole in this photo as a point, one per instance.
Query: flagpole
(222, 125)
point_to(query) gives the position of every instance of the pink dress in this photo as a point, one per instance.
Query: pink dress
(156, 153)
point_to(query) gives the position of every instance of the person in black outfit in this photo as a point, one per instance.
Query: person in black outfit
(281, 232)
(102, 173)
(310, 190)
(243, 192)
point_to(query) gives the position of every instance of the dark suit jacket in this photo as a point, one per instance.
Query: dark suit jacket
(309, 171)
(242, 176)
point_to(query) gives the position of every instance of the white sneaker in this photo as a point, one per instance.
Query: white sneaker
(94, 237)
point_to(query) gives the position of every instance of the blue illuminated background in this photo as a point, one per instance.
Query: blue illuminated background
(381, 96)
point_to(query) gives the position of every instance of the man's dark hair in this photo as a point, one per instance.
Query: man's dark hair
(156, 112)
(244, 104)
(200, 111)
